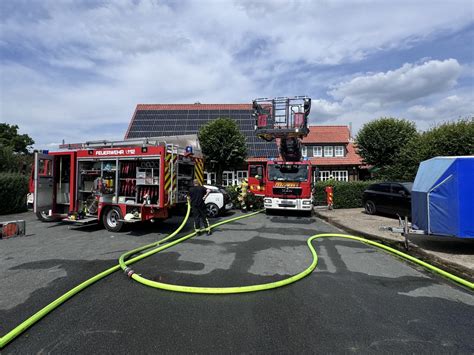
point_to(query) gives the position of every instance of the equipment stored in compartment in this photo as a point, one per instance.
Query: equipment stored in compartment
(108, 180)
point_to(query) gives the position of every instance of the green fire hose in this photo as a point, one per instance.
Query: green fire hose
(123, 263)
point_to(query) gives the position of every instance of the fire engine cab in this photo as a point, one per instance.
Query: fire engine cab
(116, 182)
(285, 182)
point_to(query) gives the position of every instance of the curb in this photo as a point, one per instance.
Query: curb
(414, 250)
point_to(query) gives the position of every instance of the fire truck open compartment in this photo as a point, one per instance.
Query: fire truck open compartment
(128, 181)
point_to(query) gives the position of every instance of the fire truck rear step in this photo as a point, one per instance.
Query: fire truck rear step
(82, 222)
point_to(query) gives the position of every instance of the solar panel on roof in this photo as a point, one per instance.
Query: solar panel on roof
(148, 123)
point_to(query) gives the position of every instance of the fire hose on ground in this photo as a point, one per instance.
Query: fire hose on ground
(124, 263)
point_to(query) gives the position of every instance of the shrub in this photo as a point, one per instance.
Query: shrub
(253, 202)
(347, 194)
(233, 191)
(13, 191)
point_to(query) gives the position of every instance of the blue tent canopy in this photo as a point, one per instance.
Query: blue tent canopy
(443, 197)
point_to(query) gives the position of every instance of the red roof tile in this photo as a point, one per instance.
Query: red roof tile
(350, 159)
(194, 107)
(327, 134)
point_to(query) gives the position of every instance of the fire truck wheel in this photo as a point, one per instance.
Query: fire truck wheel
(370, 207)
(212, 210)
(111, 218)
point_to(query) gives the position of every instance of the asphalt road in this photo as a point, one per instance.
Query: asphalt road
(358, 300)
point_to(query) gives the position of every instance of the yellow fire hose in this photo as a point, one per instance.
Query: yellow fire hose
(123, 263)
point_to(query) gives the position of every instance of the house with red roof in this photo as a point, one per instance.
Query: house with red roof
(332, 150)
(329, 147)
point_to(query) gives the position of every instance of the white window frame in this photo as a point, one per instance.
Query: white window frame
(228, 178)
(317, 151)
(304, 151)
(340, 175)
(339, 151)
(209, 178)
(324, 175)
(328, 151)
(240, 175)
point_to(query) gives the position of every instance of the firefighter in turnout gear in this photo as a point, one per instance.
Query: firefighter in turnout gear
(197, 196)
(244, 185)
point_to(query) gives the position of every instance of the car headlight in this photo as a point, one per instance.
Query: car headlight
(267, 200)
(306, 202)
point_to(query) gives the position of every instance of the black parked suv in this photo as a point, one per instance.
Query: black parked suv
(388, 197)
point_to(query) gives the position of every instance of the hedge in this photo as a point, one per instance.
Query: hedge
(347, 194)
(13, 191)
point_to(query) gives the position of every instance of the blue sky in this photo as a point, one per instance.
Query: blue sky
(75, 70)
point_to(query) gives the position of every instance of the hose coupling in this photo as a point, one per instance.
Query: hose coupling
(128, 271)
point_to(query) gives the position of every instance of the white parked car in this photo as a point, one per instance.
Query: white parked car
(217, 201)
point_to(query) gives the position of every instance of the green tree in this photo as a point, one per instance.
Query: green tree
(379, 142)
(448, 139)
(9, 137)
(223, 146)
(15, 149)
(451, 139)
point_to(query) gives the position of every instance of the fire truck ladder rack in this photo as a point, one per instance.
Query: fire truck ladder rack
(283, 118)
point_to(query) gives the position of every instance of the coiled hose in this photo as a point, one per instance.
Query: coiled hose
(123, 264)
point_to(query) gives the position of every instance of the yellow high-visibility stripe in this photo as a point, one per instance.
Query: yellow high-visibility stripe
(167, 171)
(199, 170)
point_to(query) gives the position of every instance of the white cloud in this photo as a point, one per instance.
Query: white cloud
(448, 108)
(308, 31)
(425, 93)
(76, 70)
(323, 109)
(410, 82)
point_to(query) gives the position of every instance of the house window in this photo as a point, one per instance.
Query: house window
(240, 175)
(304, 151)
(328, 151)
(317, 151)
(209, 178)
(339, 151)
(324, 175)
(227, 178)
(340, 175)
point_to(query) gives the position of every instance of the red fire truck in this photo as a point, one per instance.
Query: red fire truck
(286, 182)
(116, 182)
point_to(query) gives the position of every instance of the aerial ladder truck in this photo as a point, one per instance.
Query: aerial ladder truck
(286, 181)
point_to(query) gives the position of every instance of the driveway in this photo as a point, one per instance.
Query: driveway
(451, 254)
(359, 299)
